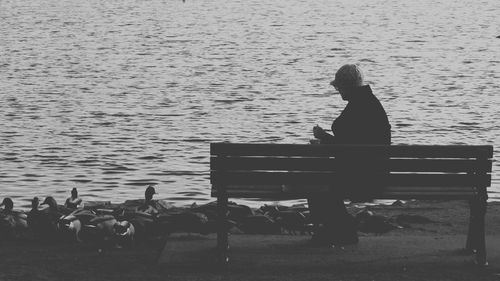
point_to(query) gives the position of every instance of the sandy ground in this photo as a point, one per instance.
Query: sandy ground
(420, 251)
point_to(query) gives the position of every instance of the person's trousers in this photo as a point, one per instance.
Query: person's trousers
(330, 218)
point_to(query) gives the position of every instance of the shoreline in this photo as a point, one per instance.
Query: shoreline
(447, 225)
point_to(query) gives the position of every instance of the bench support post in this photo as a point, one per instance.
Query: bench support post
(222, 235)
(476, 240)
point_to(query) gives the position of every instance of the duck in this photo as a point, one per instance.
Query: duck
(259, 224)
(144, 216)
(237, 212)
(13, 223)
(149, 206)
(34, 215)
(107, 231)
(124, 232)
(145, 225)
(50, 206)
(189, 222)
(41, 223)
(289, 220)
(100, 230)
(72, 224)
(369, 222)
(73, 202)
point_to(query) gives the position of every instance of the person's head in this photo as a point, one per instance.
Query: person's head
(348, 78)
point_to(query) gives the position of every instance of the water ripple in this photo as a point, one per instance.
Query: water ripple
(112, 96)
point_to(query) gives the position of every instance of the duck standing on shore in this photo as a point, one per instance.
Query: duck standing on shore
(73, 202)
(149, 206)
(124, 233)
(106, 231)
(73, 223)
(101, 228)
(38, 222)
(53, 209)
(13, 223)
(289, 220)
(145, 216)
(44, 218)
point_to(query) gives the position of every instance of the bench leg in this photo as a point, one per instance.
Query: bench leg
(222, 236)
(469, 247)
(476, 238)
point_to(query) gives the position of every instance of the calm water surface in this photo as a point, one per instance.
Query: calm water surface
(110, 96)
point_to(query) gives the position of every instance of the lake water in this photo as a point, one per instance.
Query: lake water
(109, 96)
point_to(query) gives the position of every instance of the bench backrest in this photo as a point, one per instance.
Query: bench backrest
(290, 171)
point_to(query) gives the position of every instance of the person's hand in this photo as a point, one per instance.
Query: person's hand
(318, 132)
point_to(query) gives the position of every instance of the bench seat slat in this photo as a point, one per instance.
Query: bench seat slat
(284, 191)
(325, 188)
(421, 151)
(328, 178)
(332, 164)
(385, 195)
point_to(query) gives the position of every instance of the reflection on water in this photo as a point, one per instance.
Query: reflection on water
(110, 96)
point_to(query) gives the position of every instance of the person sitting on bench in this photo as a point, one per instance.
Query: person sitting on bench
(363, 121)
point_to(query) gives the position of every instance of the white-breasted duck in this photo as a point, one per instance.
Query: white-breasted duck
(73, 223)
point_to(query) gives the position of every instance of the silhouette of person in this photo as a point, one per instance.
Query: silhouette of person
(363, 121)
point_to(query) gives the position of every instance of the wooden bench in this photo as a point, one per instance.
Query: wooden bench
(296, 171)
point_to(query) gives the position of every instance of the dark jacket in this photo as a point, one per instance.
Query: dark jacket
(363, 121)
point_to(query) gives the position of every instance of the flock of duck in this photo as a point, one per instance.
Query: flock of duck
(106, 224)
(119, 225)
(98, 223)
